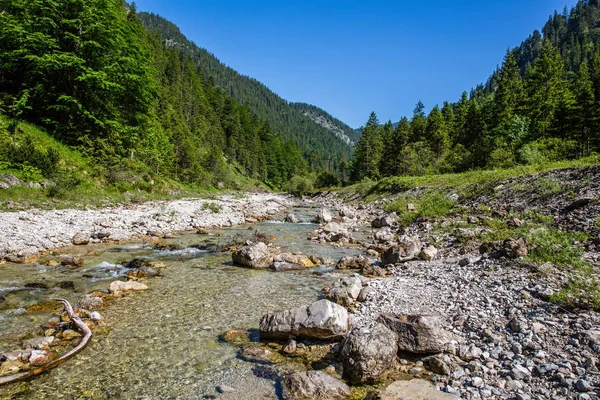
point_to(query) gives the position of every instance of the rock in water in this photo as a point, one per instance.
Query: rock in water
(321, 320)
(282, 266)
(417, 389)
(118, 287)
(407, 249)
(367, 354)
(292, 218)
(315, 385)
(419, 334)
(324, 216)
(348, 262)
(333, 227)
(72, 262)
(294, 259)
(253, 255)
(90, 302)
(39, 357)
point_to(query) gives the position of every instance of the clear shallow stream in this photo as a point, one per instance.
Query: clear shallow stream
(163, 343)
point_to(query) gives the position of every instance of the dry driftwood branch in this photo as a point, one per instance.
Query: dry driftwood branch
(87, 335)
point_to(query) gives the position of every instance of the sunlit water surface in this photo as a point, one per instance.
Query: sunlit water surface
(163, 343)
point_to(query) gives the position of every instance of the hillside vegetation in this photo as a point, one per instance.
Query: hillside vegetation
(320, 145)
(114, 101)
(542, 105)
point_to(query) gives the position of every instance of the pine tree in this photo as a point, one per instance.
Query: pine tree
(368, 151)
(586, 109)
(545, 88)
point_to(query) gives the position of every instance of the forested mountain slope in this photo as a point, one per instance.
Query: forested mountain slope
(332, 124)
(318, 143)
(542, 105)
(136, 109)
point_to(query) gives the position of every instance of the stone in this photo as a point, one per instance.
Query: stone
(10, 180)
(429, 253)
(583, 386)
(348, 262)
(225, 389)
(416, 389)
(324, 216)
(333, 227)
(440, 364)
(81, 239)
(316, 385)
(143, 273)
(366, 293)
(95, 316)
(367, 354)
(70, 334)
(322, 320)
(407, 249)
(39, 343)
(290, 347)
(253, 255)
(420, 334)
(374, 271)
(258, 354)
(292, 218)
(12, 367)
(118, 287)
(345, 291)
(299, 259)
(384, 235)
(385, 221)
(72, 262)
(477, 382)
(39, 357)
(285, 266)
(515, 248)
(90, 302)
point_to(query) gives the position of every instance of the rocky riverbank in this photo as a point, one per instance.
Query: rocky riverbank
(25, 234)
(494, 300)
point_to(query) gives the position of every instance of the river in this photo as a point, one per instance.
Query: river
(163, 343)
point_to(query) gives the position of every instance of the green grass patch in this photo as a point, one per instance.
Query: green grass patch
(562, 249)
(579, 292)
(433, 204)
(468, 183)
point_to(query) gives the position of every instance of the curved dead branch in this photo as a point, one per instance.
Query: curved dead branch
(87, 335)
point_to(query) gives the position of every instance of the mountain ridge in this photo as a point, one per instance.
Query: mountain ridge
(317, 142)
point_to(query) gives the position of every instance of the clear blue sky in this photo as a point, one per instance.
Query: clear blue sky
(351, 57)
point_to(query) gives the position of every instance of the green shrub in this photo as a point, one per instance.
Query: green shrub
(547, 150)
(300, 185)
(326, 180)
(212, 207)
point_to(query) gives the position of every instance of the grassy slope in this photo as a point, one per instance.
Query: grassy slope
(94, 191)
(429, 197)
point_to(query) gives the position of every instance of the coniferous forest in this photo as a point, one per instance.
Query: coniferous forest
(137, 106)
(541, 105)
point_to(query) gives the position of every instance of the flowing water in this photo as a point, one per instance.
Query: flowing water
(162, 343)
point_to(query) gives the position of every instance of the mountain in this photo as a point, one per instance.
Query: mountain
(332, 124)
(317, 142)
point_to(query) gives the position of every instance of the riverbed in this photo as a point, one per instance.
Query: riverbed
(164, 342)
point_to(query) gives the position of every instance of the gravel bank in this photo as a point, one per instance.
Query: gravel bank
(26, 233)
